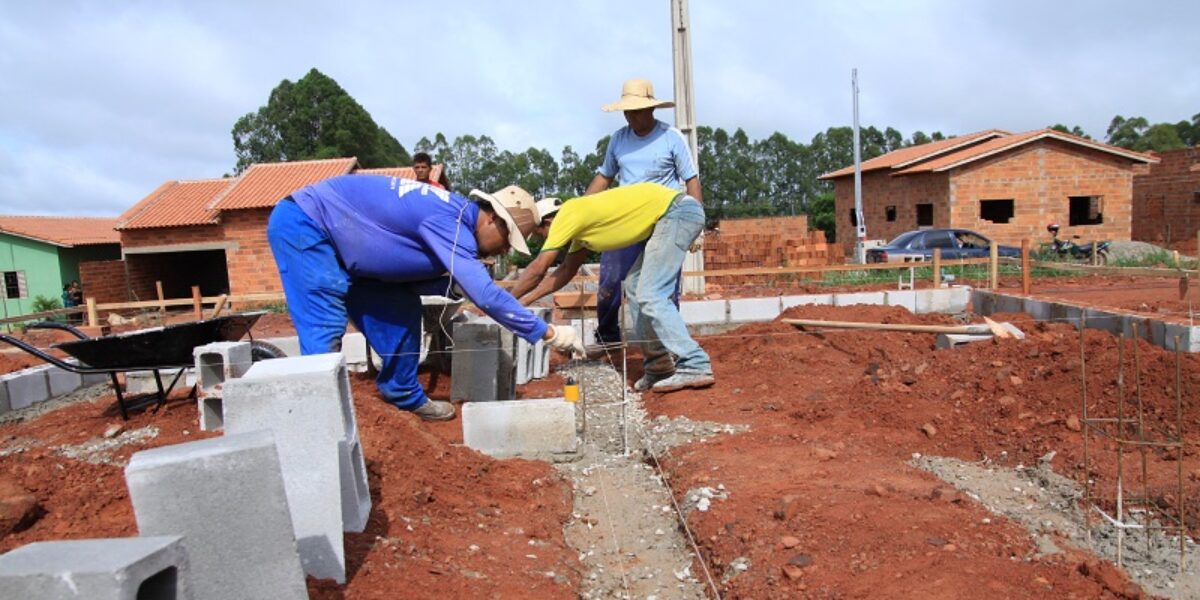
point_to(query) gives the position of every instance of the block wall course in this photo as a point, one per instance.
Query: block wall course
(1166, 200)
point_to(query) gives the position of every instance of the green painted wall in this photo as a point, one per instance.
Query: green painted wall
(47, 268)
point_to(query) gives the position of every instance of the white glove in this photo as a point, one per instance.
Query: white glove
(564, 340)
(698, 243)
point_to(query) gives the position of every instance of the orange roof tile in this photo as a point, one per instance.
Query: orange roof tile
(264, 184)
(176, 204)
(997, 145)
(435, 172)
(62, 231)
(912, 154)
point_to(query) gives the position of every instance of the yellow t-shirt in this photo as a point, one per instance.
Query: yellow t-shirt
(610, 220)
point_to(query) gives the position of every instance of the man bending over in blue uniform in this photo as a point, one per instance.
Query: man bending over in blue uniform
(367, 247)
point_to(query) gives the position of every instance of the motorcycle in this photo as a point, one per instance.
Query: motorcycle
(1077, 251)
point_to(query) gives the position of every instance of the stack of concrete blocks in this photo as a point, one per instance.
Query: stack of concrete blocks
(24, 388)
(484, 369)
(306, 403)
(533, 360)
(226, 497)
(520, 427)
(217, 363)
(142, 382)
(147, 568)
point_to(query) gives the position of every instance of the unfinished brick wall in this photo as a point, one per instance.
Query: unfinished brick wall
(251, 266)
(1166, 200)
(765, 242)
(103, 280)
(1040, 178)
(880, 191)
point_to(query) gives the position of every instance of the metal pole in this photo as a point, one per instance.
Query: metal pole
(1120, 446)
(1179, 459)
(1087, 490)
(685, 118)
(861, 225)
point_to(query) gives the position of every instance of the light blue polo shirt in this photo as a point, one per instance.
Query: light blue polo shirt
(661, 157)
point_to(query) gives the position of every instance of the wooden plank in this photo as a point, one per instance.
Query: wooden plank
(37, 316)
(220, 305)
(162, 308)
(937, 268)
(197, 303)
(967, 329)
(1126, 271)
(994, 264)
(93, 318)
(575, 300)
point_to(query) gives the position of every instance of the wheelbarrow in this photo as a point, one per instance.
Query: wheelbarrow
(155, 350)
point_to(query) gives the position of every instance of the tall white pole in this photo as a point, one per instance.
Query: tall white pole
(860, 253)
(685, 118)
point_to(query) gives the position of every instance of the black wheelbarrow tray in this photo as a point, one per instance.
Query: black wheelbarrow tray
(154, 349)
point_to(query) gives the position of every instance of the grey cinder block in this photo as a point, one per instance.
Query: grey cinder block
(147, 568)
(483, 368)
(516, 427)
(754, 309)
(62, 381)
(701, 312)
(306, 402)
(225, 496)
(219, 362)
(26, 387)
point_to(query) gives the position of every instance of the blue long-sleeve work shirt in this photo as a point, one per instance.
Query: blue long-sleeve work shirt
(400, 230)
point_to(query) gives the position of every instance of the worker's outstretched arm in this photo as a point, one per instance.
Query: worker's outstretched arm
(599, 184)
(561, 277)
(534, 273)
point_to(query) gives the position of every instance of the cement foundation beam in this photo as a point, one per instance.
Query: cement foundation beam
(147, 568)
(225, 496)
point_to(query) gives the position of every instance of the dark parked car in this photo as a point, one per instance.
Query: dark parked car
(917, 246)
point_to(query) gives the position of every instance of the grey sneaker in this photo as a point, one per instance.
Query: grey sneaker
(648, 380)
(684, 378)
(435, 410)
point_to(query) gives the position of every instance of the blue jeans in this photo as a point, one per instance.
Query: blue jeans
(321, 296)
(614, 267)
(659, 327)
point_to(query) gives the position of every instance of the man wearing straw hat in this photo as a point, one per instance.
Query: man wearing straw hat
(646, 150)
(367, 248)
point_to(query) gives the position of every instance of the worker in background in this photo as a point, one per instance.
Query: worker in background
(423, 166)
(646, 150)
(367, 247)
(661, 222)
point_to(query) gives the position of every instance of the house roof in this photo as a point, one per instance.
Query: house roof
(65, 232)
(904, 157)
(997, 145)
(176, 204)
(435, 172)
(264, 184)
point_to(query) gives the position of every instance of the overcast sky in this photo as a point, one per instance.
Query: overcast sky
(100, 102)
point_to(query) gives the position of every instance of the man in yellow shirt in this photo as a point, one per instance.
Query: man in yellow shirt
(668, 221)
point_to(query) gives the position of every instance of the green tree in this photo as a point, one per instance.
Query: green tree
(1126, 133)
(313, 118)
(1160, 137)
(1074, 130)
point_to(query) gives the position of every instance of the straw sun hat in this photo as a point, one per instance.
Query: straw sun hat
(637, 94)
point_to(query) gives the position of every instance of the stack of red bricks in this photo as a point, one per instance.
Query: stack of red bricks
(764, 243)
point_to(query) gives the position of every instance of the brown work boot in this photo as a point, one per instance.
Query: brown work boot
(435, 410)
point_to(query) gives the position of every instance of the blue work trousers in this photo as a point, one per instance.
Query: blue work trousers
(321, 296)
(658, 326)
(614, 267)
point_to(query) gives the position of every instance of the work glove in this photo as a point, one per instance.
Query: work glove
(697, 244)
(564, 340)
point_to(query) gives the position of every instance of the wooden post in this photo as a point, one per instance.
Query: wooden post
(1175, 256)
(1025, 267)
(1095, 254)
(221, 300)
(162, 308)
(197, 308)
(937, 268)
(93, 318)
(994, 264)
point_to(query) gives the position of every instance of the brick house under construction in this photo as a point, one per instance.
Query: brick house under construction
(1006, 186)
(1166, 200)
(210, 233)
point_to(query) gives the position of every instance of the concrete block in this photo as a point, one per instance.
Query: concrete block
(62, 381)
(945, 300)
(219, 362)
(701, 312)
(1037, 309)
(226, 497)
(306, 403)
(754, 309)
(586, 327)
(113, 569)
(533, 360)
(983, 302)
(953, 340)
(1143, 326)
(850, 299)
(142, 382)
(5, 405)
(356, 492)
(905, 298)
(520, 427)
(1008, 304)
(483, 369)
(354, 347)
(26, 387)
(806, 299)
(1103, 320)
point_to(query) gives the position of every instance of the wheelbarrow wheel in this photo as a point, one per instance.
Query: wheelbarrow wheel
(260, 350)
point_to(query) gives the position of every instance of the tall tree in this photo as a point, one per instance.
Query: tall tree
(1126, 133)
(1074, 130)
(313, 118)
